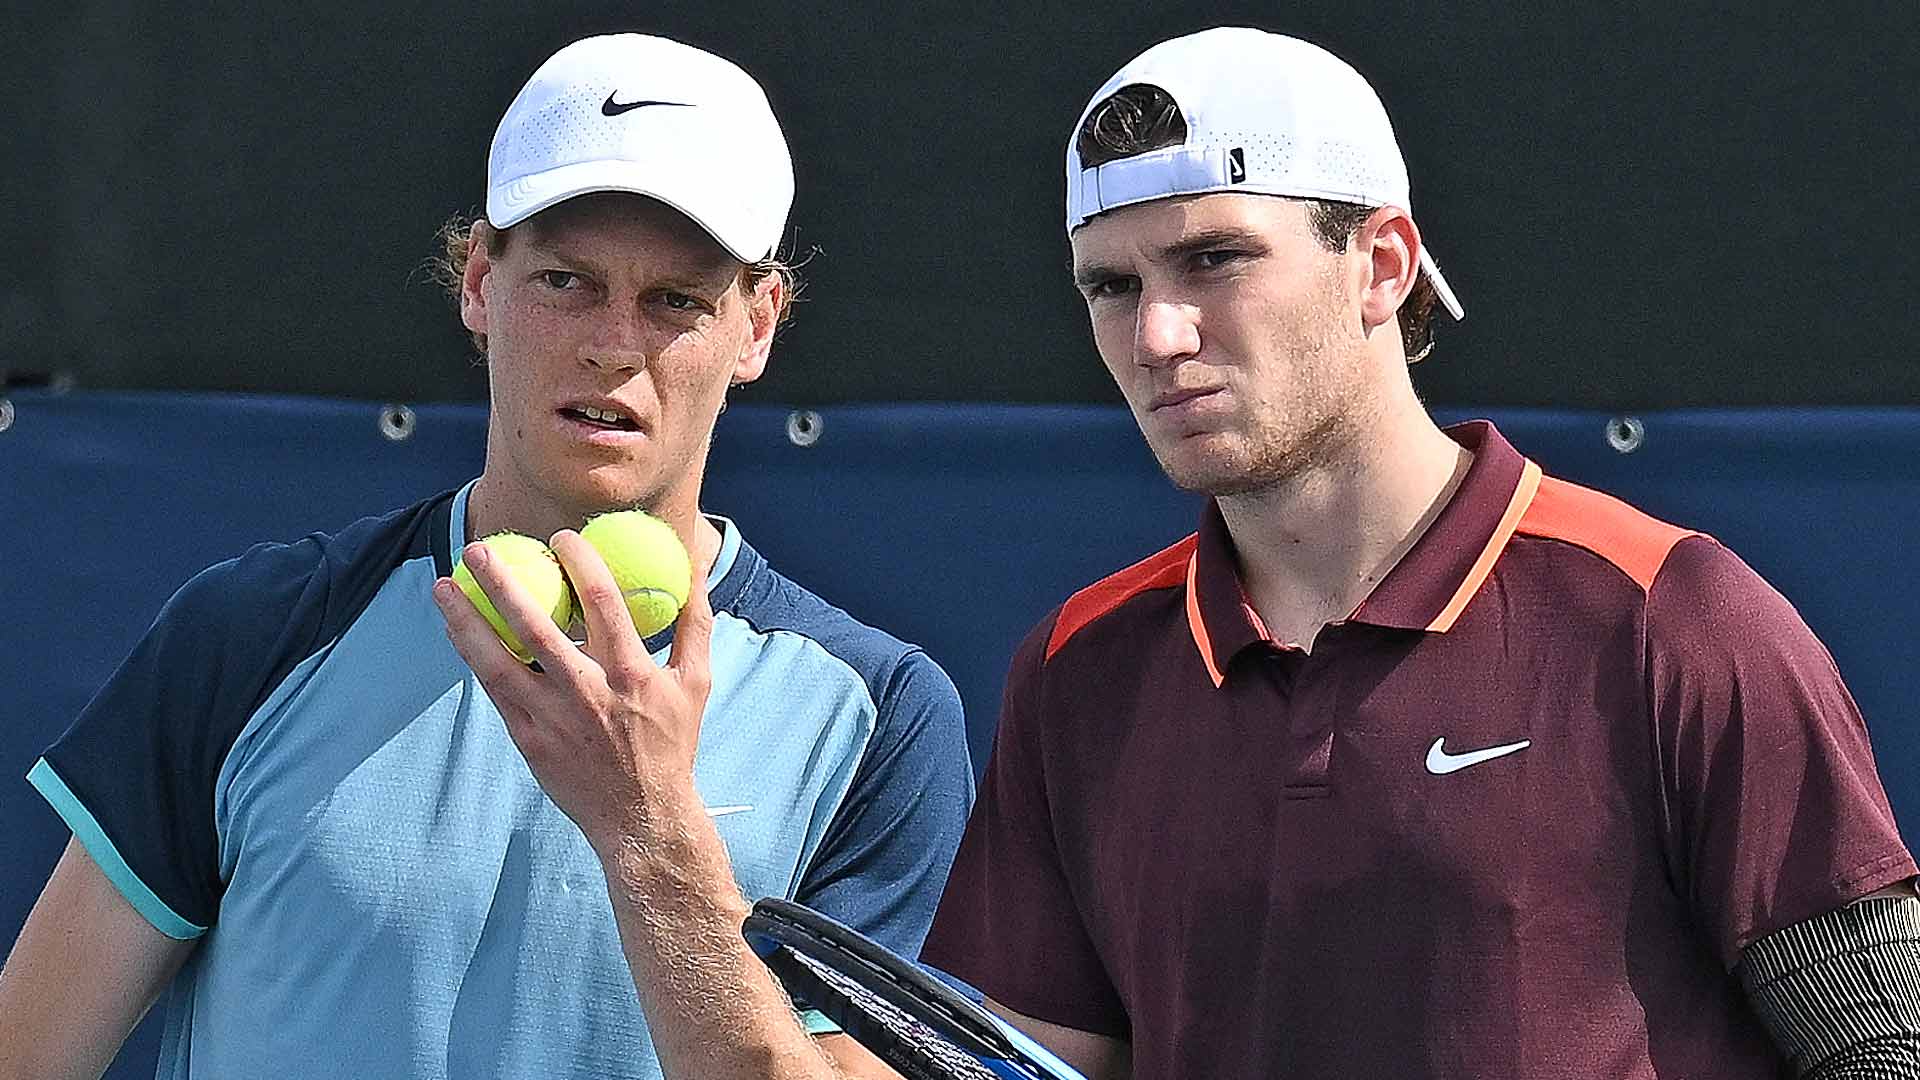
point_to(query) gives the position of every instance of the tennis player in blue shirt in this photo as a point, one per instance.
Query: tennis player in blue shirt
(325, 812)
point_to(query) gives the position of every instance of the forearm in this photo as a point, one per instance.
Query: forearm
(712, 1008)
(612, 738)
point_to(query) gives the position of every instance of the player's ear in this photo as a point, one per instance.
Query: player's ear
(1391, 245)
(473, 298)
(764, 301)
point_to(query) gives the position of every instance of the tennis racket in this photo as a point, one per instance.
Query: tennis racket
(921, 1027)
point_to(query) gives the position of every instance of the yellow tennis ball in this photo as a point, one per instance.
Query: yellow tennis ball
(531, 566)
(648, 562)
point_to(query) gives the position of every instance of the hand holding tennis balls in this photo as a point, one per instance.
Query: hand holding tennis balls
(531, 566)
(609, 731)
(648, 562)
(643, 554)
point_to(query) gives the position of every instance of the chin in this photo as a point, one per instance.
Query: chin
(601, 490)
(1225, 471)
(1204, 477)
(1212, 482)
(1201, 464)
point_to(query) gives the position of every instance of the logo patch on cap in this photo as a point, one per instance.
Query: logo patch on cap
(611, 107)
(1236, 166)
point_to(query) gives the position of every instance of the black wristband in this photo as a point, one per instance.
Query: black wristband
(1840, 993)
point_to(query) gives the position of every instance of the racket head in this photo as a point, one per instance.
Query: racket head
(810, 940)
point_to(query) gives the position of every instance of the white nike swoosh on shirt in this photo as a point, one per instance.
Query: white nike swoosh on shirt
(1440, 763)
(723, 811)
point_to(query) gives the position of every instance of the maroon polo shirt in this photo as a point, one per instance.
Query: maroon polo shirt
(1517, 816)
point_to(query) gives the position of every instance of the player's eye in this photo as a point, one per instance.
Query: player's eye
(682, 302)
(559, 279)
(1214, 260)
(1107, 287)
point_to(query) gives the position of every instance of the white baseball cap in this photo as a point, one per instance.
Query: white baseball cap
(1265, 113)
(630, 112)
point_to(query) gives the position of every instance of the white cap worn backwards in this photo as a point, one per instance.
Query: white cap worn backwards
(629, 112)
(1265, 113)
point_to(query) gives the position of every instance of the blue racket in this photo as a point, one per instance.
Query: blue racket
(921, 1027)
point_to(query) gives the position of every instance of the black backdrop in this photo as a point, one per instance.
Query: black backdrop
(1641, 206)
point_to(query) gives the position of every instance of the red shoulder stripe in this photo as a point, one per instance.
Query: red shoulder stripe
(1159, 571)
(1633, 541)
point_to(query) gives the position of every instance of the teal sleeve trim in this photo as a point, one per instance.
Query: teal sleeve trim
(106, 856)
(817, 1023)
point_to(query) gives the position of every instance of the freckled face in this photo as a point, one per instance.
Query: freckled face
(614, 327)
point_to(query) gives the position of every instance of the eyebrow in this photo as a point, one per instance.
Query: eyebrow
(1093, 274)
(1178, 251)
(681, 278)
(1207, 241)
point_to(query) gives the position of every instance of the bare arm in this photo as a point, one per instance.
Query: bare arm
(1098, 1057)
(84, 970)
(611, 736)
(712, 1007)
(852, 1059)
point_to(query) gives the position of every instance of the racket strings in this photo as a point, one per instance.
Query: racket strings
(904, 1043)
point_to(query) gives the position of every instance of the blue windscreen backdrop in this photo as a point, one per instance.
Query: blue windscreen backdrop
(955, 526)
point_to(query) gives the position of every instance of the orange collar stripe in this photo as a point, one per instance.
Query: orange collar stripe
(1523, 493)
(1201, 638)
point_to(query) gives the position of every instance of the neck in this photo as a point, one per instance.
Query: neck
(1312, 546)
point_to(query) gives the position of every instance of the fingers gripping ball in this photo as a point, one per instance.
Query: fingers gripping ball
(648, 562)
(528, 562)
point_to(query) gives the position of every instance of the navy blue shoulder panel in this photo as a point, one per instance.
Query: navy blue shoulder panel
(771, 602)
(884, 858)
(144, 755)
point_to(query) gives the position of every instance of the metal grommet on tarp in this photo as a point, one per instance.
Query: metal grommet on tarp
(804, 427)
(1626, 434)
(397, 423)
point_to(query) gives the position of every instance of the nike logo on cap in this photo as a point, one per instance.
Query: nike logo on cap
(1440, 763)
(611, 107)
(723, 811)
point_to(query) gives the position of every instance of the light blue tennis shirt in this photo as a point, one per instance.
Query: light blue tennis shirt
(295, 767)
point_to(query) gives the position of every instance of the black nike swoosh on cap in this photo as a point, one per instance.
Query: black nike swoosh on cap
(614, 108)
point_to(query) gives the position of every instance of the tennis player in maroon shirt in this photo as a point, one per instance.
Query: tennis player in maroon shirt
(1412, 762)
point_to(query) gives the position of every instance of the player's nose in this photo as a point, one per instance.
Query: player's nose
(1165, 331)
(619, 342)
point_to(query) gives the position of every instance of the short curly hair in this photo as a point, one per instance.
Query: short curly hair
(1141, 117)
